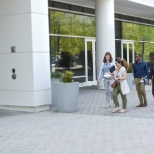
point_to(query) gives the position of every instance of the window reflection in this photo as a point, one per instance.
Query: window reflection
(90, 29)
(149, 53)
(78, 25)
(60, 22)
(71, 24)
(131, 31)
(67, 53)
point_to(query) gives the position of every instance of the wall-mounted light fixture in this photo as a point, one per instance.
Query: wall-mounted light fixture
(13, 49)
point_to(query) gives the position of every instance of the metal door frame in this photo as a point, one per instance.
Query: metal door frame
(127, 43)
(93, 40)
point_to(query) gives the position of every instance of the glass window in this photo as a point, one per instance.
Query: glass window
(148, 52)
(118, 48)
(90, 29)
(62, 5)
(68, 53)
(78, 25)
(131, 31)
(60, 22)
(118, 29)
(139, 32)
(71, 24)
(88, 10)
(76, 8)
(138, 47)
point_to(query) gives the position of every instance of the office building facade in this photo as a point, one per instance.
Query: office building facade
(39, 36)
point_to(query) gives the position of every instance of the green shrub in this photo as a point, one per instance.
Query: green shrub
(130, 68)
(126, 65)
(68, 77)
(56, 74)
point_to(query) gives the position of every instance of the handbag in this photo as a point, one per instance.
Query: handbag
(114, 84)
(146, 81)
(112, 68)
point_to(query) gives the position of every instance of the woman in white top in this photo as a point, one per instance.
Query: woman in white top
(108, 80)
(122, 86)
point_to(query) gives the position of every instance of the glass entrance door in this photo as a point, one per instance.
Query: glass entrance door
(90, 61)
(127, 51)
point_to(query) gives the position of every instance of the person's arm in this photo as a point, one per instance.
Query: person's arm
(133, 70)
(113, 63)
(146, 69)
(124, 76)
(151, 75)
(101, 73)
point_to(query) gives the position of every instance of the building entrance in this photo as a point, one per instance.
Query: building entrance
(127, 51)
(90, 61)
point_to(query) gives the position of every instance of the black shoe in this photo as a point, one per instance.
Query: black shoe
(140, 105)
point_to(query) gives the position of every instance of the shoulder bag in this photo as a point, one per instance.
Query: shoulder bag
(114, 84)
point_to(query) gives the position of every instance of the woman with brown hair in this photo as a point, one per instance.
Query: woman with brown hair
(122, 87)
(106, 76)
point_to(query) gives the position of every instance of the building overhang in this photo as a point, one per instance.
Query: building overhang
(137, 8)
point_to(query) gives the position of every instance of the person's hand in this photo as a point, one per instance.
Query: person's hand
(150, 82)
(116, 79)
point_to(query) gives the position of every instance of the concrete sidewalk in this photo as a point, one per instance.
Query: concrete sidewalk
(91, 130)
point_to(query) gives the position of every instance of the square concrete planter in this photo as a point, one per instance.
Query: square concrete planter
(130, 79)
(56, 76)
(66, 96)
(53, 80)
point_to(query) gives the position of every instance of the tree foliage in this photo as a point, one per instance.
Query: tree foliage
(71, 24)
(136, 32)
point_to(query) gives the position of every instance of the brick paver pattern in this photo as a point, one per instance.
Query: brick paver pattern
(91, 130)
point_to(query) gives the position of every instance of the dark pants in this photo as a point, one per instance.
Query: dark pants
(116, 92)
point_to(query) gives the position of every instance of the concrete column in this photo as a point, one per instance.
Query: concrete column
(105, 31)
(24, 27)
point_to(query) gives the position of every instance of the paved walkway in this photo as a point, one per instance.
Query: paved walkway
(91, 130)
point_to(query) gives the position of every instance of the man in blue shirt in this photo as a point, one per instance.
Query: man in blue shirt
(140, 70)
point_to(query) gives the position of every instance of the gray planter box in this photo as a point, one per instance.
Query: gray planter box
(130, 79)
(66, 96)
(53, 80)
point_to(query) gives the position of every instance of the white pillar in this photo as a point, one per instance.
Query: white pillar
(24, 24)
(105, 31)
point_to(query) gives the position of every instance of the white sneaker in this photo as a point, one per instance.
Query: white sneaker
(122, 111)
(116, 110)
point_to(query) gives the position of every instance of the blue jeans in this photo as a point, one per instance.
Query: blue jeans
(108, 89)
